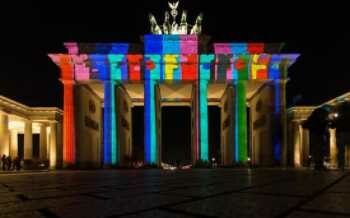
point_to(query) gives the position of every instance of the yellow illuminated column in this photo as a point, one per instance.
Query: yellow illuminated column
(298, 131)
(333, 148)
(4, 134)
(43, 142)
(14, 143)
(28, 140)
(53, 146)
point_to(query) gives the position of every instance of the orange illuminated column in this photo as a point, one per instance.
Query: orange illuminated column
(66, 65)
(68, 123)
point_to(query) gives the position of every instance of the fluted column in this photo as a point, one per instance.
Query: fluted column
(28, 140)
(111, 150)
(297, 142)
(68, 123)
(202, 97)
(66, 64)
(151, 146)
(4, 134)
(203, 120)
(14, 143)
(280, 127)
(333, 148)
(43, 142)
(53, 152)
(241, 129)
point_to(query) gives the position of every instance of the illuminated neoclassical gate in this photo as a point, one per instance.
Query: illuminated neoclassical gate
(175, 52)
(173, 58)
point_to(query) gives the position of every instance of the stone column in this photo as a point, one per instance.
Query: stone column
(151, 146)
(158, 122)
(4, 134)
(241, 130)
(53, 148)
(297, 142)
(43, 142)
(195, 123)
(203, 120)
(110, 141)
(28, 140)
(68, 123)
(204, 76)
(306, 147)
(66, 64)
(280, 130)
(333, 148)
(14, 143)
(228, 126)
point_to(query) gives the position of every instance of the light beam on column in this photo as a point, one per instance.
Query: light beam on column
(241, 122)
(152, 74)
(109, 124)
(66, 64)
(241, 65)
(204, 77)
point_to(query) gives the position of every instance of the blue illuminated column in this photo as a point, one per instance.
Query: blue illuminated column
(204, 77)
(110, 124)
(151, 148)
(278, 71)
(151, 77)
(280, 133)
(102, 65)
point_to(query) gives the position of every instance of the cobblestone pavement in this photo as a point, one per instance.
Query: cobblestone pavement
(193, 193)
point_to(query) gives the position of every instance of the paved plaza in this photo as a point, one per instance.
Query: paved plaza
(193, 193)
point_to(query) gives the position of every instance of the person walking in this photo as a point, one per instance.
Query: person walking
(3, 161)
(17, 163)
(9, 163)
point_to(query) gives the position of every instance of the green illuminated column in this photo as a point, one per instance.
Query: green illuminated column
(242, 67)
(241, 122)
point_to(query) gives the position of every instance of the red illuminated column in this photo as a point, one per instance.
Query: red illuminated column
(66, 64)
(68, 123)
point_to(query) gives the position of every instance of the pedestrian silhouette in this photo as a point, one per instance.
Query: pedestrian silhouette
(9, 163)
(3, 161)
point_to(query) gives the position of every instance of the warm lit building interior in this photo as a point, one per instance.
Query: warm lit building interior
(32, 133)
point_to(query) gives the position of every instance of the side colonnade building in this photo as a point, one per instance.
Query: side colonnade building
(32, 133)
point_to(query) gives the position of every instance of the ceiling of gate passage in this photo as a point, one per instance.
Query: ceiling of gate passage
(176, 91)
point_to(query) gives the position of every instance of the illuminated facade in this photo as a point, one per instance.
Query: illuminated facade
(103, 81)
(32, 133)
(299, 137)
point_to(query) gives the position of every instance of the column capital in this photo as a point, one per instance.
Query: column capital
(67, 81)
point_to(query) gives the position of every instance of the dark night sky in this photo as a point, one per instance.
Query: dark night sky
(30, 30)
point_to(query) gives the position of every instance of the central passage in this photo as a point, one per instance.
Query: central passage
(176, 135)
